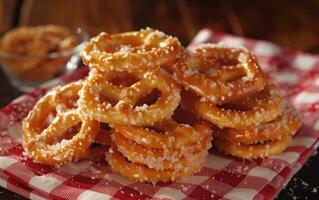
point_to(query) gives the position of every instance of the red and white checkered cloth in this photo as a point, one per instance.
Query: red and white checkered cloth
(221, 177)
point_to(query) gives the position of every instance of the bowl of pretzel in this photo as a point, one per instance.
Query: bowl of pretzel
(30, 56)
(154, 109)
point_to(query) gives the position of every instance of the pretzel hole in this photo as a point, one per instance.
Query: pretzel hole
(122, 46)
(124, 79)
(68, 134)
(48, 120)
(234, 107)
(155, 129)
(71, 104)
(105, 126)
(181, 116)
(210, 65)
(106, 100)
(149, 98)
(252, 144)
(67, 100)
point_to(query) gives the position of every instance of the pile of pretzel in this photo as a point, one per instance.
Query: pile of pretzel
(27, 50)
(156, 107)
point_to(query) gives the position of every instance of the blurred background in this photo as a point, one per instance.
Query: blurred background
(289, 23)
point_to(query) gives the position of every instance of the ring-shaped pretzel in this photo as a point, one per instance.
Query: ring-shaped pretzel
(42, 145)
(220, 73)
(124, 111)
(252, 151)
(131, 50)
(174, 136)
(286, 124)
(163, 159)
(142, 173)
(264, 107)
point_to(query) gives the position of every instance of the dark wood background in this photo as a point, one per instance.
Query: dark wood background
(293, 24)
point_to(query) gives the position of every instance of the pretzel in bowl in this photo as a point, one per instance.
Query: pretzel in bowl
(22, 41)
(131, 50)
(42, 143)
(219, 73)
(37, 53)
(108, 102)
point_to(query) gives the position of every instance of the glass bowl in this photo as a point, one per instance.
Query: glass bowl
(46, 67)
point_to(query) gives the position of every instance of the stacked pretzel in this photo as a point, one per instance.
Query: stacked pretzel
(155, 105)
(226, 87)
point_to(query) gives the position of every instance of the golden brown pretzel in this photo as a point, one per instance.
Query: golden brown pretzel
(286, 124)
(131, 50)
(43, 145)
(263, 107)
(219, 73)
(124, 109)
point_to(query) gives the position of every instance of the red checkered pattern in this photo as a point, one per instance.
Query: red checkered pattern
(221, 177)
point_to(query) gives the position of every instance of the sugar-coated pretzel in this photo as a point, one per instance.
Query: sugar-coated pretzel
(264, 106)
(173, 144)
(163, 159)
(124, 111)
(219, 73)
(43, 145)
(102, 143)
(251, 151)
(174, 136)
(131, 50)
(286, 124)
(142, 173)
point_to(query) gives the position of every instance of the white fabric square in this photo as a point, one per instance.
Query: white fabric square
(35, 197)
(196, 180)
(45, 183)
(262, 173)
(216, 162)
(3, 183)
(289, 157)
(302, 141)
(6, 162)
(89, 194)
(232, 41)
(203, 35)
(263, 48)
(286, 77)
(304, 62)
(74, 168)
(16, 131)
(169, 193)
(307, 97)
(120, 179)
(241, 194)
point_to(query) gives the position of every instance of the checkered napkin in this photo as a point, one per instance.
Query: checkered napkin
(221, 177)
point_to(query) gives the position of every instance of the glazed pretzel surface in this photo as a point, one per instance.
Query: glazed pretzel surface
(131, 50)
(124, 110)
(43, 144)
